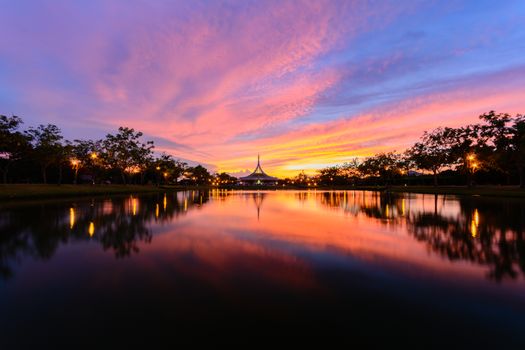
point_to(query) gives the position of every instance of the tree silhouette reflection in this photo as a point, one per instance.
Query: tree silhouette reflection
(119, 224)
(485, 231)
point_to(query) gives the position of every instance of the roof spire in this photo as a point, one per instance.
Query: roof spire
(258, 174)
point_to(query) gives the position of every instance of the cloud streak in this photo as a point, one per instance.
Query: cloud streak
(305, 83)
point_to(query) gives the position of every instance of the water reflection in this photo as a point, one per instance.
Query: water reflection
(486, 232)
(118, 224)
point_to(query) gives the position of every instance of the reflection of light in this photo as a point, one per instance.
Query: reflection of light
(164, 202)
(185, 204)
(71, 217)
(157, 210)
(474, 223)
(387, 211)
(403, 207)
(134, 206)
(91, 229)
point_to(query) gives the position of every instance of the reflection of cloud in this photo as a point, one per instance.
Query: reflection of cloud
(218, 260)
(217, 235)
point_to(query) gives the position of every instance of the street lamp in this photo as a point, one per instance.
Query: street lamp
(471, 162)
(472, 166)
(75, 164)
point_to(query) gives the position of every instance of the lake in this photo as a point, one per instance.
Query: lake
(352, 264)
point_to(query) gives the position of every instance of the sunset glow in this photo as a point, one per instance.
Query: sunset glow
(306, 84)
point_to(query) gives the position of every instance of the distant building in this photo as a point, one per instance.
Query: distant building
(258, 177)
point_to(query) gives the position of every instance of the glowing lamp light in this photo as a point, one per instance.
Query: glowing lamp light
(71, 218)
(133, 169)
(93, 155)
(134, 205)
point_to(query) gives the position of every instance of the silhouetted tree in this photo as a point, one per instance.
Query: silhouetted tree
(47, 146)
(126, 153)
(198, 174)
(518, 146)
(168, 168)
(382, 165)
(432, 153)
(85, 154)
(224, 178)
(13, 143)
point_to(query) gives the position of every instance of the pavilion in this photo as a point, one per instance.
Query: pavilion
(258, 177)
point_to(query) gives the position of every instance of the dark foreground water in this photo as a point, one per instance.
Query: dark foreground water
(358, 266)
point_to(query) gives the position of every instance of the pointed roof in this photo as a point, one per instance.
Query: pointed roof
(258, 173)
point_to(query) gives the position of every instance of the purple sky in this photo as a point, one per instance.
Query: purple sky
(304, 83)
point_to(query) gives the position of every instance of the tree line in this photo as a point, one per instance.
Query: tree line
(491, 151)
(38, 154)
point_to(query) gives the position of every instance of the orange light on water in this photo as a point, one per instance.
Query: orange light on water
(134, 205)
(474, 224)
(71, 218)
(91, 229)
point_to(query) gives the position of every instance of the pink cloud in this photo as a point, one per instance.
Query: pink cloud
(221, 82)
(394, 126)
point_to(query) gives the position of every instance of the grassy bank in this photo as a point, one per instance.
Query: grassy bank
(25, 191)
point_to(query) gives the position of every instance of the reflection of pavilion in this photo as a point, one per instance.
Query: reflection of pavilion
(258, 199)
(259, 177)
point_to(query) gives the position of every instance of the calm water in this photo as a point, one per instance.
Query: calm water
(439, 269)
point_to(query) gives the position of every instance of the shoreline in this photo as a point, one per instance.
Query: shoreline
(41, 191)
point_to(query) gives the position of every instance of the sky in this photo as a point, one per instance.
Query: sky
(306, 84)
